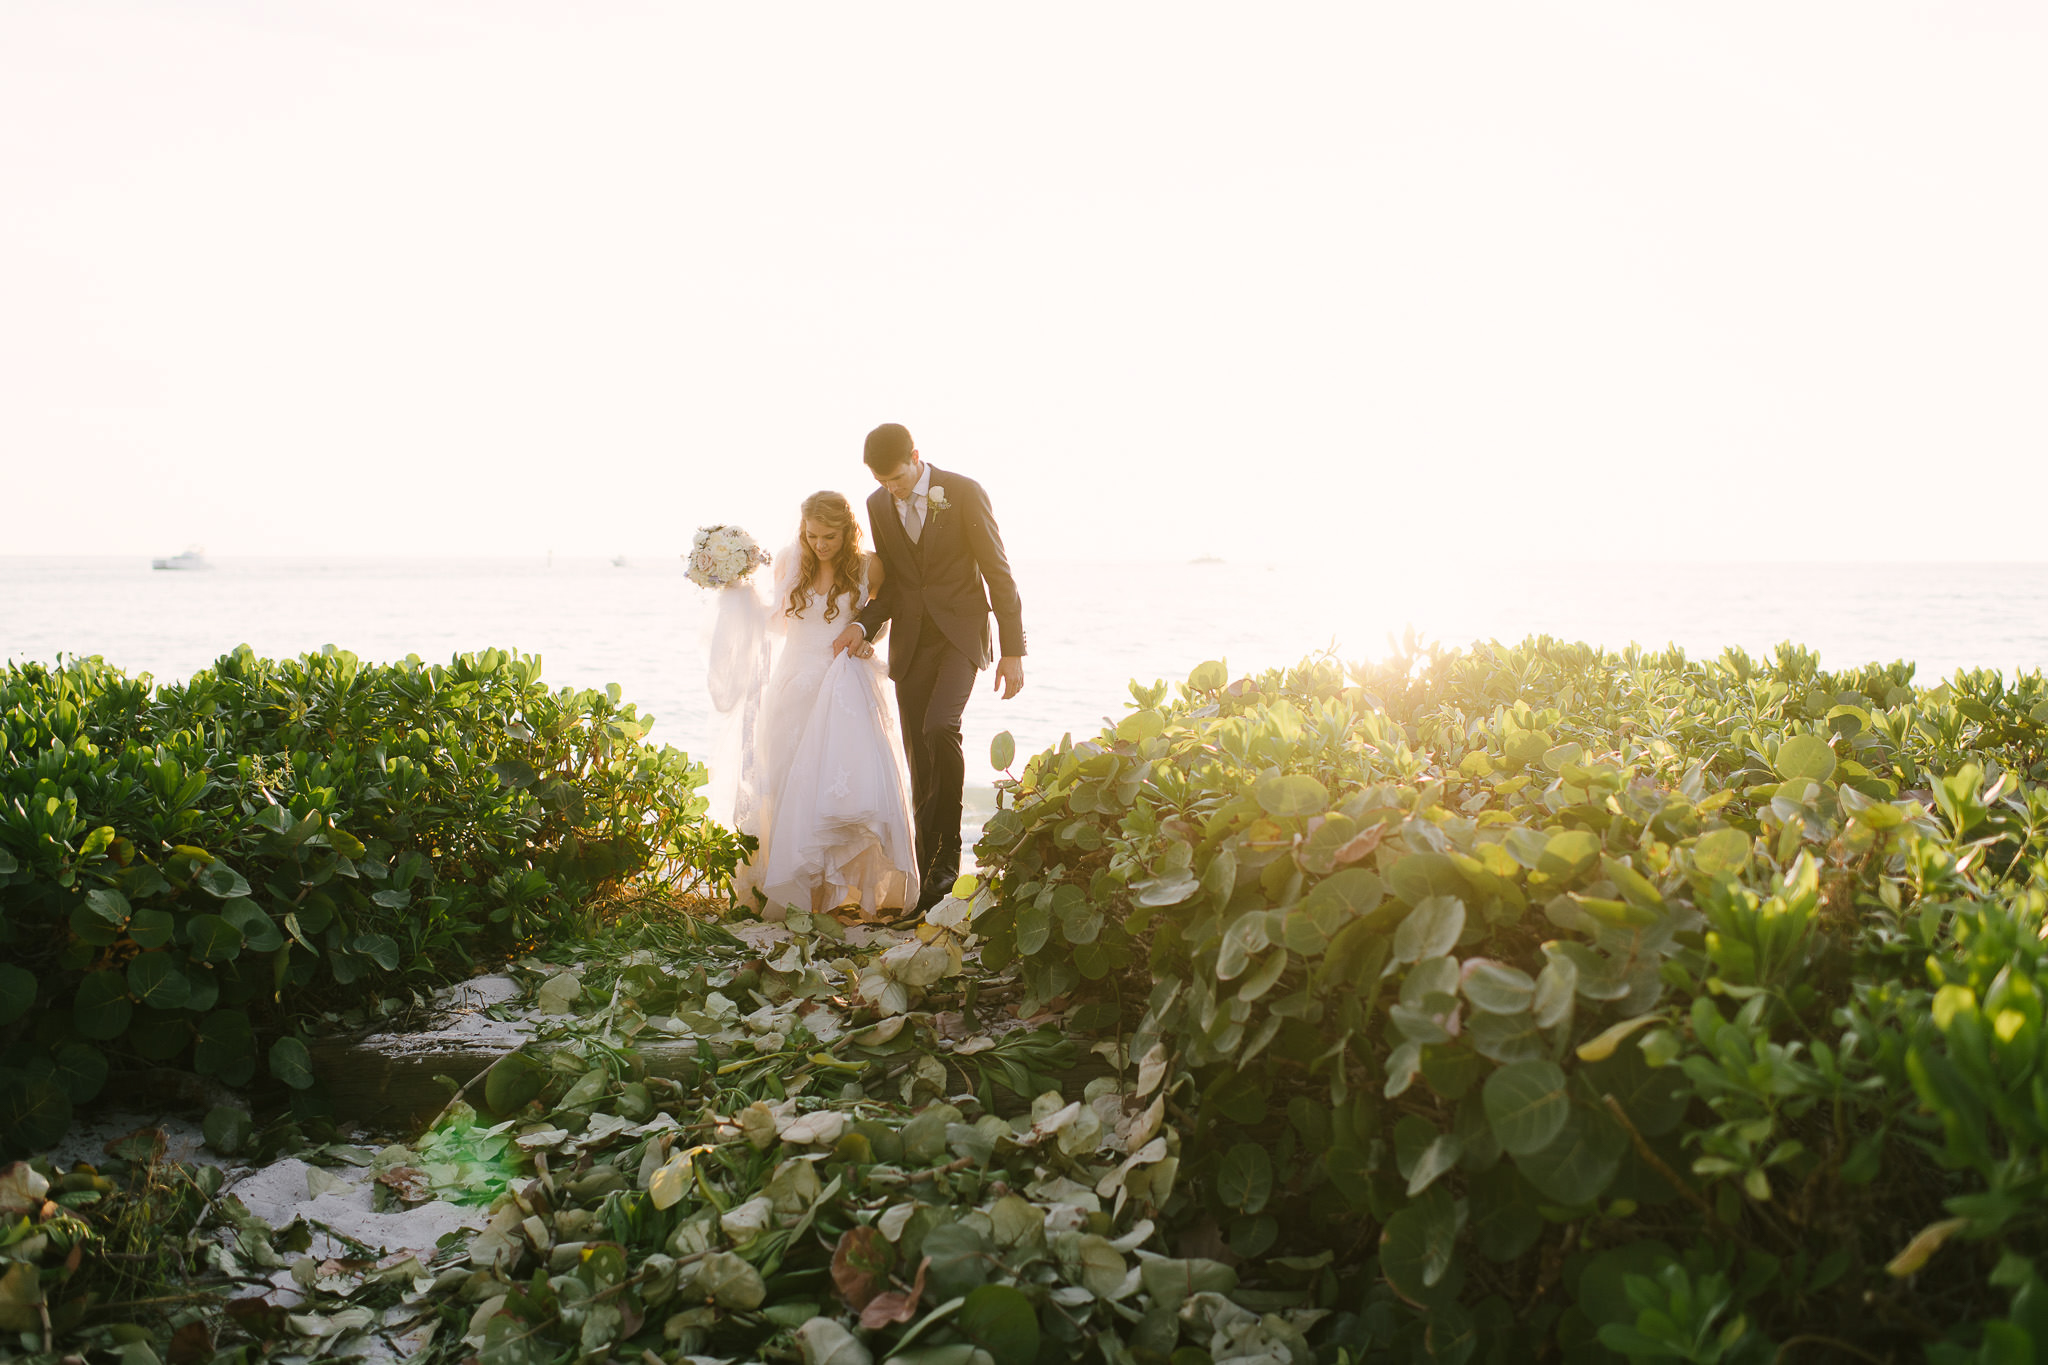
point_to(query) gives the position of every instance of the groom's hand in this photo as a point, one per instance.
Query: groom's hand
(1009, 676)
(850, 638)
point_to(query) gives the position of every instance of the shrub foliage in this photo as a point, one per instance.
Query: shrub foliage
(1573, 1000)
(184, 868)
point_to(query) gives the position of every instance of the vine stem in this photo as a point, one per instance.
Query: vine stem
(1663, 1168)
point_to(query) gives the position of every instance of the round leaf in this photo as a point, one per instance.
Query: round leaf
(155, 981)
(101, 1009)
(514, 1082)
(1805, 756)
(1245, 1180)
(1526, 1105)
(380, 949)
(1002, 1322)
(227, 1129)
(33, 1113)
(151, 928)
(17, 992)
(213, 938)
(1431, 929)
(1568, 853)
(1342, 897)
(291, 1063)
(1136, 728)
(1720, 851)
(222, 881)
(1496, 987)
(1002, 750)
(1208, 676)
(1292, 796)
(110, 906)
(1416, 1245)
(1579, 1163)
(225, 1046)
(260, 933)
(81, 1069)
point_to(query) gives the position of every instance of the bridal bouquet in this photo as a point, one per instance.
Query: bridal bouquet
(722, 556)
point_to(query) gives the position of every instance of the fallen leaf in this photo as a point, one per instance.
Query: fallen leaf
(860, 1265)
(895, 1306)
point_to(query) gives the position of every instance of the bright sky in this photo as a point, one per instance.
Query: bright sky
(1401, 282)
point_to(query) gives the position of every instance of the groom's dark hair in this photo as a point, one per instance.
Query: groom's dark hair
(889, 448)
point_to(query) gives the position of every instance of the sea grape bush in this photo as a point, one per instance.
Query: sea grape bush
(1617, 1005)
(183, 868)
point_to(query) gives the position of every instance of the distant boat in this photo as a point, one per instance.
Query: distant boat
(1206, 559)
(618, 561)
(194, 558)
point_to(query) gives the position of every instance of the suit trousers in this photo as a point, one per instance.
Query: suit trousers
(930, 697)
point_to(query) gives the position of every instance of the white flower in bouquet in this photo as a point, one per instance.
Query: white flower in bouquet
(721, 556)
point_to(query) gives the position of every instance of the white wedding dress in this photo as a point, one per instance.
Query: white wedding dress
(812, 766)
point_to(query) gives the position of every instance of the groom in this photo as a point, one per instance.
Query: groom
(943, 572)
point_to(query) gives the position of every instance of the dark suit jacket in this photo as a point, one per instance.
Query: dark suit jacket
(954, 575)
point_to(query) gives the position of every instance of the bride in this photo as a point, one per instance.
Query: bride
(814, 770)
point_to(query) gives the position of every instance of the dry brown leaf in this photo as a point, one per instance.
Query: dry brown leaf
(895, 1306)
(860, 1265)
(1359, 845)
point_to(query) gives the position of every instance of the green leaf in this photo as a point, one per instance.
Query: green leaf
(1170, 889)
(1505, 1219)
(515, 1081)
(101, 1009)
(1526, 1105)
(1721, 851)
(1034, 929)
(1135, 728)
(1654, 1098)
(81, 1069)
(1431, 929)
(380, 949)
(1245, 1179)
(1262, 977)
(1805, 756)
(1579, 1163)
(1002, 1322)
(1496, 987)
(1292, 796)
(291, 1063)
(213, 938)
(225, 1046)
(151, 928)
(1173, 1282)
(228, 1129)
(1569, 853)
(960, 1257)
(1002, 750)
(1209, 676)
(34, 1114)
(222, 881)
(259, 931)
(1439, 1157)
(1417, 1243)
(1343, 897)
(154, 980)
(17, 992)
(110, 906)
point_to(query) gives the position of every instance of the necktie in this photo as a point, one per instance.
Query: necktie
(913, 520)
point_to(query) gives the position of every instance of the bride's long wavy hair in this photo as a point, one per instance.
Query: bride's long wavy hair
(833, 510)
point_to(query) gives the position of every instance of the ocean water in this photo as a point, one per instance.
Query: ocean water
(1092, 627)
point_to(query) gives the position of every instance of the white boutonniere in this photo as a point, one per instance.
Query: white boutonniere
(937, 498)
